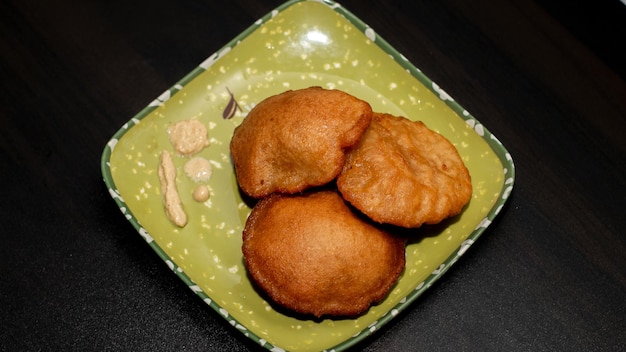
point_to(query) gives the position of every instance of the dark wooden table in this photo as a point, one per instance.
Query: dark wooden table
(546, 77)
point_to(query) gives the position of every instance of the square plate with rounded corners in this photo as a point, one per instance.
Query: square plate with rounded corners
(299, 44)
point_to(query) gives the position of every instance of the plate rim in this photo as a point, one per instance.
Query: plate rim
(492, 141)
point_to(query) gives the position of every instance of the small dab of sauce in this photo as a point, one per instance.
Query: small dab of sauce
(198, 169)
(201, 193)
(188, 137)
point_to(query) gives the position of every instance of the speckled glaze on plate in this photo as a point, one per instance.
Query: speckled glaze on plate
(300, 44)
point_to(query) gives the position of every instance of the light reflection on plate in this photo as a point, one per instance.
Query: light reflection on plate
(300, 44)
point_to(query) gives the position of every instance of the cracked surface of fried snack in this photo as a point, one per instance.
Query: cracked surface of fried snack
(402, 173)
(297, 139)
(313, 255)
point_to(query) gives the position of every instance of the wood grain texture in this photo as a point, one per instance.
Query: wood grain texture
(546, 77)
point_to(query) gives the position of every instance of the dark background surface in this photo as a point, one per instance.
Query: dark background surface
(546, 77)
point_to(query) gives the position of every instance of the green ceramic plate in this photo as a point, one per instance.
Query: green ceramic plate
(300, 44)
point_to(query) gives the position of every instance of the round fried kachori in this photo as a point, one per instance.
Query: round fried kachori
(402, 173)
(297, 139)
(313, 255)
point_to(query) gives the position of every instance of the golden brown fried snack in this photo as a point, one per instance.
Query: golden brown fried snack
(313, 255)
(403, 173)
(296, 139)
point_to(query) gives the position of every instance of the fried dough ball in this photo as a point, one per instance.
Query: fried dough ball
(296, 139)
(313, 255)
(404, 174)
